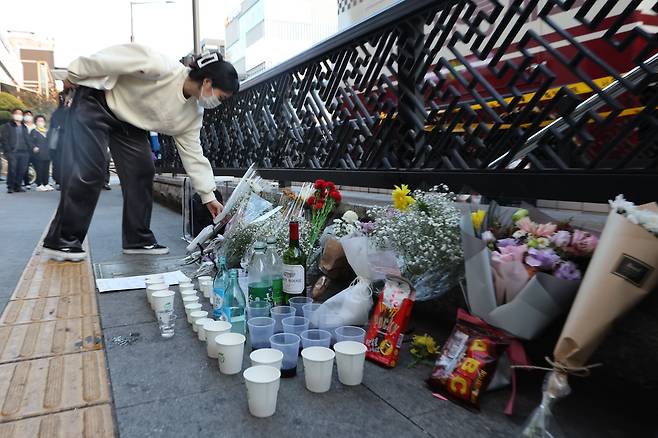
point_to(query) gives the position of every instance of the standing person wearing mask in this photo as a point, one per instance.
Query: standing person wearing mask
(15, 143)
(28, 121)
(122, 93)
(41, 154)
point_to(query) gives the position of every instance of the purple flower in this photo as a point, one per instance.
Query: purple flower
(542, 258)
(367, 227)
(502, 243)
(561, 239)
(568, 271)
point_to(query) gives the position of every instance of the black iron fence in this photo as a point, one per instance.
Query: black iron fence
(551, 99)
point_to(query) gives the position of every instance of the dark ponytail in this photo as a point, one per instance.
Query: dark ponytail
(211, 65)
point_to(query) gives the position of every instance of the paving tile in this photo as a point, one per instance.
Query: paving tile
(44, 386)
(93, 422)
(151, 368)
(48, 309)
(42, 339)
(50, 278)
(343, 412)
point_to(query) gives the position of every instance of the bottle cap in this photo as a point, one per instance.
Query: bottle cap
(259, 246)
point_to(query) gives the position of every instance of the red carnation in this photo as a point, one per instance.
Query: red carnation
(330, 186)
(335, 195)
(318, 206)
(311, 201)
(319, 184)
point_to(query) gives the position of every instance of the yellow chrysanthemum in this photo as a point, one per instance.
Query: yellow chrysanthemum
(477, 217)
(401, 198)
(425, 343)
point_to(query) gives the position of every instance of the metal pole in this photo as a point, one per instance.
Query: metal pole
(195, 26)
(132, 34)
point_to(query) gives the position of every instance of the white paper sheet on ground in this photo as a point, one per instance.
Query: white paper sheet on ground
(135, 282)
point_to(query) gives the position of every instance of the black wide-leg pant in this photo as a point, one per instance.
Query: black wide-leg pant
(90, 128)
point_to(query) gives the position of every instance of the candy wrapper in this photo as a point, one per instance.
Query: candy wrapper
(468, 360)
(389, 321)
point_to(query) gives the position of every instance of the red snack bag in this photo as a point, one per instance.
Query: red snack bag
(389, 321)
(468, 360)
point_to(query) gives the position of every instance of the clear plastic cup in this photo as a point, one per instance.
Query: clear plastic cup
(330, 321)
(262, 384)
(315, 338)
(166, 323)
(309, 312)
(295, 324)
(298, 303)
(267, 356)
(279, 313)
(350, 360)
(261, 330)
(189, 308)
(350, 333)
(257, 309)
(288, 344)
(318, 367)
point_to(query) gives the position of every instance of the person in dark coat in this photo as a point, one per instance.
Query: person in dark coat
(14, 141)
(41, 154)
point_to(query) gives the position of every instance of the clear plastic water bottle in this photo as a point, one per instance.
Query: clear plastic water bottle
(234, 304)
(275, 266)
(260, 281)
(219, 288)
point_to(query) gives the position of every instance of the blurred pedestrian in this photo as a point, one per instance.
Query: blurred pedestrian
(41, 154)
(15, 144)
(28, 121)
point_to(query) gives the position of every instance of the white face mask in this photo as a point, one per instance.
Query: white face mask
(28, 119)
(208, 102)
(41, 124)
(18, 117)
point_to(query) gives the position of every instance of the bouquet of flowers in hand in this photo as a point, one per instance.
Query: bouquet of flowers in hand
(423, 230)
(522, 273)
(322, 204)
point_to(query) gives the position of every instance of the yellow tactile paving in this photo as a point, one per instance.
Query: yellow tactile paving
(53, 376)
(42, 339)
(94, 422)
(44, 386)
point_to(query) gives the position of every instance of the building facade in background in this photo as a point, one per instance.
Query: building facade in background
(11, 69)
(264, 33)
(353, 11)
(37, 56)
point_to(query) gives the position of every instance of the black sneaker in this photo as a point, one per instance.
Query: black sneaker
(10, 190)
(107, 187)
(65, 254)
(154, 249)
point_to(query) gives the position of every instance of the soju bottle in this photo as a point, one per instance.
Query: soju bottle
(294, 266)
(276, 271)
(234, 305)
(219, 287)
(260, 281)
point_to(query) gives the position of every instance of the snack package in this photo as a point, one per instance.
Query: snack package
(389, 321)
(468, 360)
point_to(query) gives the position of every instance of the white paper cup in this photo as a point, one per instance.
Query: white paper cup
(188, 293)
(153, 288)
(205, 285)
(150, 280)
(230, 351)
(197, 314)
(190, 299)
(350, 360)
(262, 389)
(189, 308)
(266, 357)
(318, 367)
(163, 300)
(214, 329)
(199, 323)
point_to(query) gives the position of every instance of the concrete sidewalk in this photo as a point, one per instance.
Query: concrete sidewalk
(170, 388)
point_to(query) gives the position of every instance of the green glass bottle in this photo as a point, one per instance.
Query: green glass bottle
(294, 266)
(260, 278)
